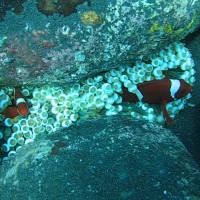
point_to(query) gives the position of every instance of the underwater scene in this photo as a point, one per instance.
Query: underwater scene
(99, 100)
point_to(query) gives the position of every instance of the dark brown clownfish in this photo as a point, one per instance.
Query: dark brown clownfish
(158, 92)
(20, 106)
(10, 112)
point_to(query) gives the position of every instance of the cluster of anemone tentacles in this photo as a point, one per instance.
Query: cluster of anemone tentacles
(52, 108)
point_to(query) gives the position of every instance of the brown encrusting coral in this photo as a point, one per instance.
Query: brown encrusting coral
(63, 7)
(47, 7)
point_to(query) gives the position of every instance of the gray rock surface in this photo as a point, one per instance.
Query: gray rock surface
(101, 35)
(102, 159)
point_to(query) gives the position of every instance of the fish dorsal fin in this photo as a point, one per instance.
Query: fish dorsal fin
(166, 114)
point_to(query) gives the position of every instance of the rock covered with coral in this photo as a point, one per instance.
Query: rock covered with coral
(94, 37)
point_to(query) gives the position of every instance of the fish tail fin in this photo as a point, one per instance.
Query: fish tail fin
(166, 114)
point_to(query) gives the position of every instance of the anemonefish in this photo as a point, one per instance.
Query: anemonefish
(10, 112)
(158, 92)
(20, 106)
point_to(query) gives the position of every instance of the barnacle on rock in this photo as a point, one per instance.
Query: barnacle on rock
(22, 72)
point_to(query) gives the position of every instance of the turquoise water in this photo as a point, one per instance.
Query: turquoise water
(83, 138)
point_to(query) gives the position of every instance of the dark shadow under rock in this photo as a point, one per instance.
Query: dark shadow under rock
(187, 123)
(107, 158)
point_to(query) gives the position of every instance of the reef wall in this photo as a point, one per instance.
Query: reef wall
(47, 44)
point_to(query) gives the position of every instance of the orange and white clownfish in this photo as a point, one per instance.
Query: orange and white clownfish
(20, 106)
(158, 92)
(20, 103)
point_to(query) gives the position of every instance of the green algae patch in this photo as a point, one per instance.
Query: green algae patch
(156, 27)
